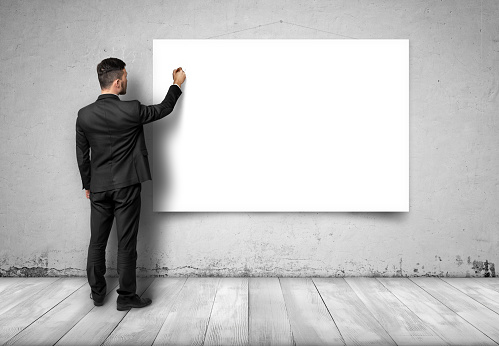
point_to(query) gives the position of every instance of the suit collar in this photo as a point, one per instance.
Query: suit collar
(107, 96)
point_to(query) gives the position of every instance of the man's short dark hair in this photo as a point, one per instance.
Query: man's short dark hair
(109, 70)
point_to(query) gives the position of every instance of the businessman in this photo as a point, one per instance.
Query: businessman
(113, 162)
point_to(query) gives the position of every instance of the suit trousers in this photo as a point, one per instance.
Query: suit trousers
(124, 205)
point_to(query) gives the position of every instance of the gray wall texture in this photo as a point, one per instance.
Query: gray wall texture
(49, 51)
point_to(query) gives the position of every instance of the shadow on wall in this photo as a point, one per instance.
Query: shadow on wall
(384, 216)
(163, 167)
(150, 231)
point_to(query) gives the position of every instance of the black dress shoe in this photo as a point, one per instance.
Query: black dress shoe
(97, 302)
(126, 303)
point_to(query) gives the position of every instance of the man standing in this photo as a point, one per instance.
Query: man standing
(112, 130)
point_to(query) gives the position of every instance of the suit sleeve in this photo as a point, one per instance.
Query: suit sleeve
(83, 156)
(152, 113)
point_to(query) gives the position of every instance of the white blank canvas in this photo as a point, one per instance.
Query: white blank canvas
(283, 126)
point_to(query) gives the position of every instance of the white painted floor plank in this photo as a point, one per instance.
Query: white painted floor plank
(472, 311)
(491, 282)
(22, 315)
(476, 290)
(228, 323)
(6, 282)
(95, 327)
(188, 317)
(21, 291)
(311, 323)
(268, 319)
(55, 323)
(404, 327)
(443, 321)
(354, 320)
(141, 326)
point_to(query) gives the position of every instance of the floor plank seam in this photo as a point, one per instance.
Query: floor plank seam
(287, 313)
(456, 288)
(211, 311)
(329, 312)
(248, 305)
(93, 307)
(492, 287)
(369, 311)
(46, 312)
(126, 313)
(448, 307)
(429, 326)
(177, 295)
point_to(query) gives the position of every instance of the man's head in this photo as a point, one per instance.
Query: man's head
(112, 75)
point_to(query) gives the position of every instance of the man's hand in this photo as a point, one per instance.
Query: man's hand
(87, 194)
(178, 76)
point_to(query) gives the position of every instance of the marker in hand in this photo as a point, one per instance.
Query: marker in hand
(178, 76)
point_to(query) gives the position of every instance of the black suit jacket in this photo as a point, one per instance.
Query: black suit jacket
(113, 130)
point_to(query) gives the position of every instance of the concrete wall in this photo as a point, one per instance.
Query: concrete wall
(49, 51)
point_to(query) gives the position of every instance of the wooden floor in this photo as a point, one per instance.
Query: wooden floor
(255, 311)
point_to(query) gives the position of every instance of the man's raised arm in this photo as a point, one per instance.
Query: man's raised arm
(152, 113)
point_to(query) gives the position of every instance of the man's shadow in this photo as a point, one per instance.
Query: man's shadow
(155, 227)
(151, 243)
